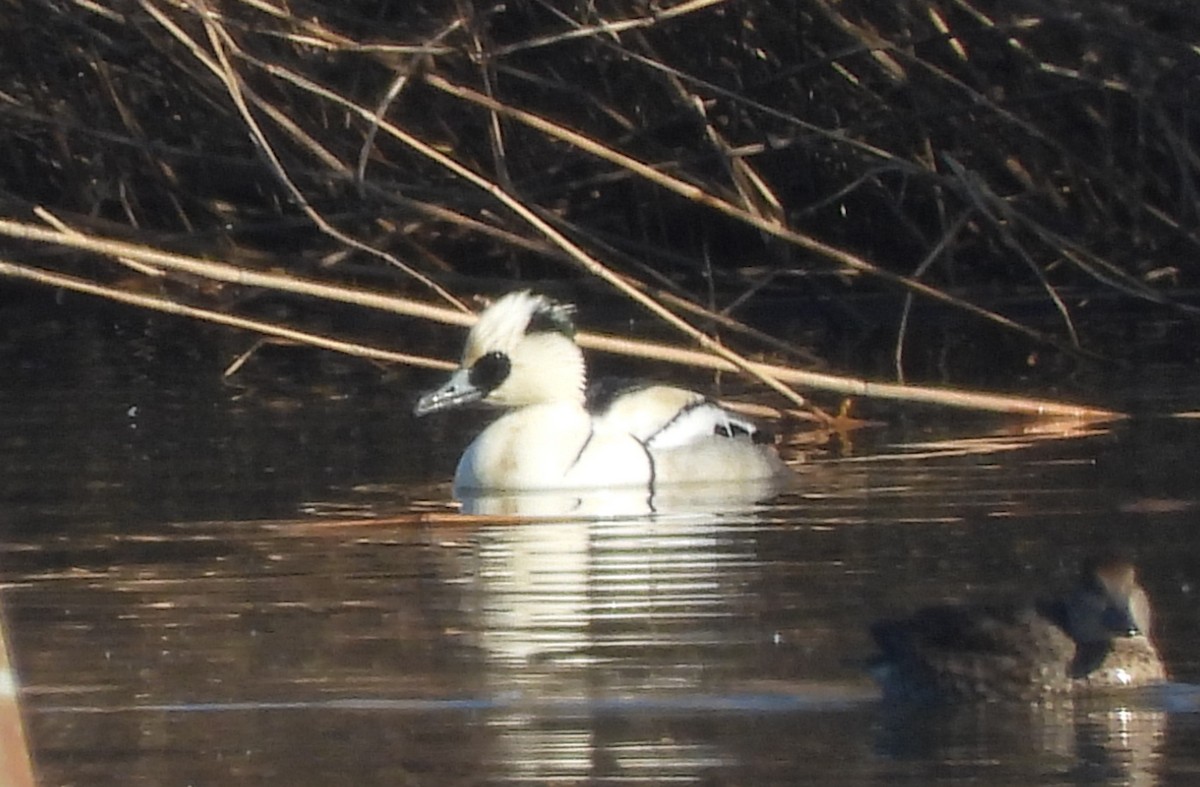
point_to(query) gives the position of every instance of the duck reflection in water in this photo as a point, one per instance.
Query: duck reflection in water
(1095, 638)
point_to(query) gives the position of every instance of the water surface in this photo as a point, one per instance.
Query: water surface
(264, 582)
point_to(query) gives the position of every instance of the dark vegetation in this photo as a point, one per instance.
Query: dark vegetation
(994, 188)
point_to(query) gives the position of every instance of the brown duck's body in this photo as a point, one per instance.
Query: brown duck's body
(1094, 639)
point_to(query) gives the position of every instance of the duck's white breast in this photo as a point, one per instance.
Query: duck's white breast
(551, 446)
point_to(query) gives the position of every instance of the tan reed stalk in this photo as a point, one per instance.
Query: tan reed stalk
(233, 274)
(701, 197)
(160, 304)
(219, 40)
(641, 349)
(613, 28)
(530, 216)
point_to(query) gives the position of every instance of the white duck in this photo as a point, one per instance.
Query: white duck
(558, 435)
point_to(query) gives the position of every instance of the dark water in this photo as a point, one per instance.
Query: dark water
(262, 582)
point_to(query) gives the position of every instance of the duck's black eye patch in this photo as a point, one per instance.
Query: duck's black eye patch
(489, 371)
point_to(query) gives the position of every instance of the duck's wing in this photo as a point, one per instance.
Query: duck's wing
(972, 653)
(663, 416)
(958, 629)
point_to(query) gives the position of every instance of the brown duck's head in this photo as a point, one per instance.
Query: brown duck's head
(1108, 602)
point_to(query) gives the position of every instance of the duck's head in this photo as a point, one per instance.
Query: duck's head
(1108, 602)
(521, 352)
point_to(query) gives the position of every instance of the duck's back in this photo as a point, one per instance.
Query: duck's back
(689, 437)
(973, 653)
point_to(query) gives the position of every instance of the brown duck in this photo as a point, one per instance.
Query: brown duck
(1096, 638)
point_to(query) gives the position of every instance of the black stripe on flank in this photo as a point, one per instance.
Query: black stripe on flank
(687, 408)
(756, 434)
(582, 448)
(732, 428)
(653, 473)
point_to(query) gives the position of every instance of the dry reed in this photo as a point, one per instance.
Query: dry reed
(710, 162)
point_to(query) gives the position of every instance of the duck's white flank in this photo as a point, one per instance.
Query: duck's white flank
(521, 356)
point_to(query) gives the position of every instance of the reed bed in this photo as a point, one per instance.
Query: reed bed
(761, 179)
